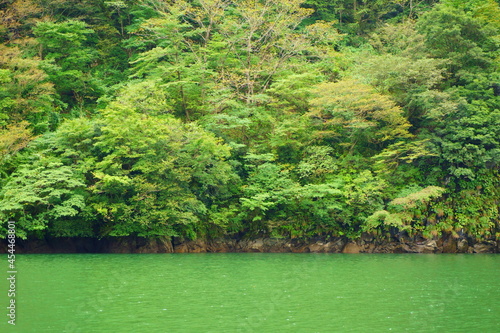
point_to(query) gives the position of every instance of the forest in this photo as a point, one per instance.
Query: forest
(205, 119)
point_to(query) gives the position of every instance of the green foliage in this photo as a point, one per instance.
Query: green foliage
(25, 91)
(274, 204)
(68, 59)
(205, 118)
(212, 52)
(140, 175)
(432, 212)
(464, 38)
(356, 116)
(42, 193)
(406, 78)
(318, 164)
(356, 18)
(13, 138)
(422, 196)
(470, 139)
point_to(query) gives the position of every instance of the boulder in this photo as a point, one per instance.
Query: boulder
(462, 246)
(450, 245)
(430, 246)
(351, 248)
(485, 247)
(317, 247)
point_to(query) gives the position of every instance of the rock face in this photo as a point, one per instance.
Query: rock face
(428, 247)
(92, 245)
(366, 244)
(462, 246)
(351, 248)
(139, 245)
(197, 246)
(450, 245)
(484, 247)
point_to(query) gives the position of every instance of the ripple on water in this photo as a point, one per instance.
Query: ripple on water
(258, 293)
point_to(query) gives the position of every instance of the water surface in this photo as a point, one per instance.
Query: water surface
(255, 293)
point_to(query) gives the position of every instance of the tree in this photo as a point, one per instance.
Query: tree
(126, 174)
(353, 115)
(213, 51)
(68, 58)
(17, 18)
(13, 138)
(42, 194)
(465, 38)
(25, 92)
(272, 203)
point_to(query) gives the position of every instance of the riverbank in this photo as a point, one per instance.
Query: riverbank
(366, 244)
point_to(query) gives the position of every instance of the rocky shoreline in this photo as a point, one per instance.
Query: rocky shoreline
(263, 245)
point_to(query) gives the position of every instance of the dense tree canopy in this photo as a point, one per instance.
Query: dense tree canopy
(209, 118)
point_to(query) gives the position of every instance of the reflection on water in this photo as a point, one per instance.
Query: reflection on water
(256, 293)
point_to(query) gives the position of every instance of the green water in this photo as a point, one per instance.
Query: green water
(255, 293)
